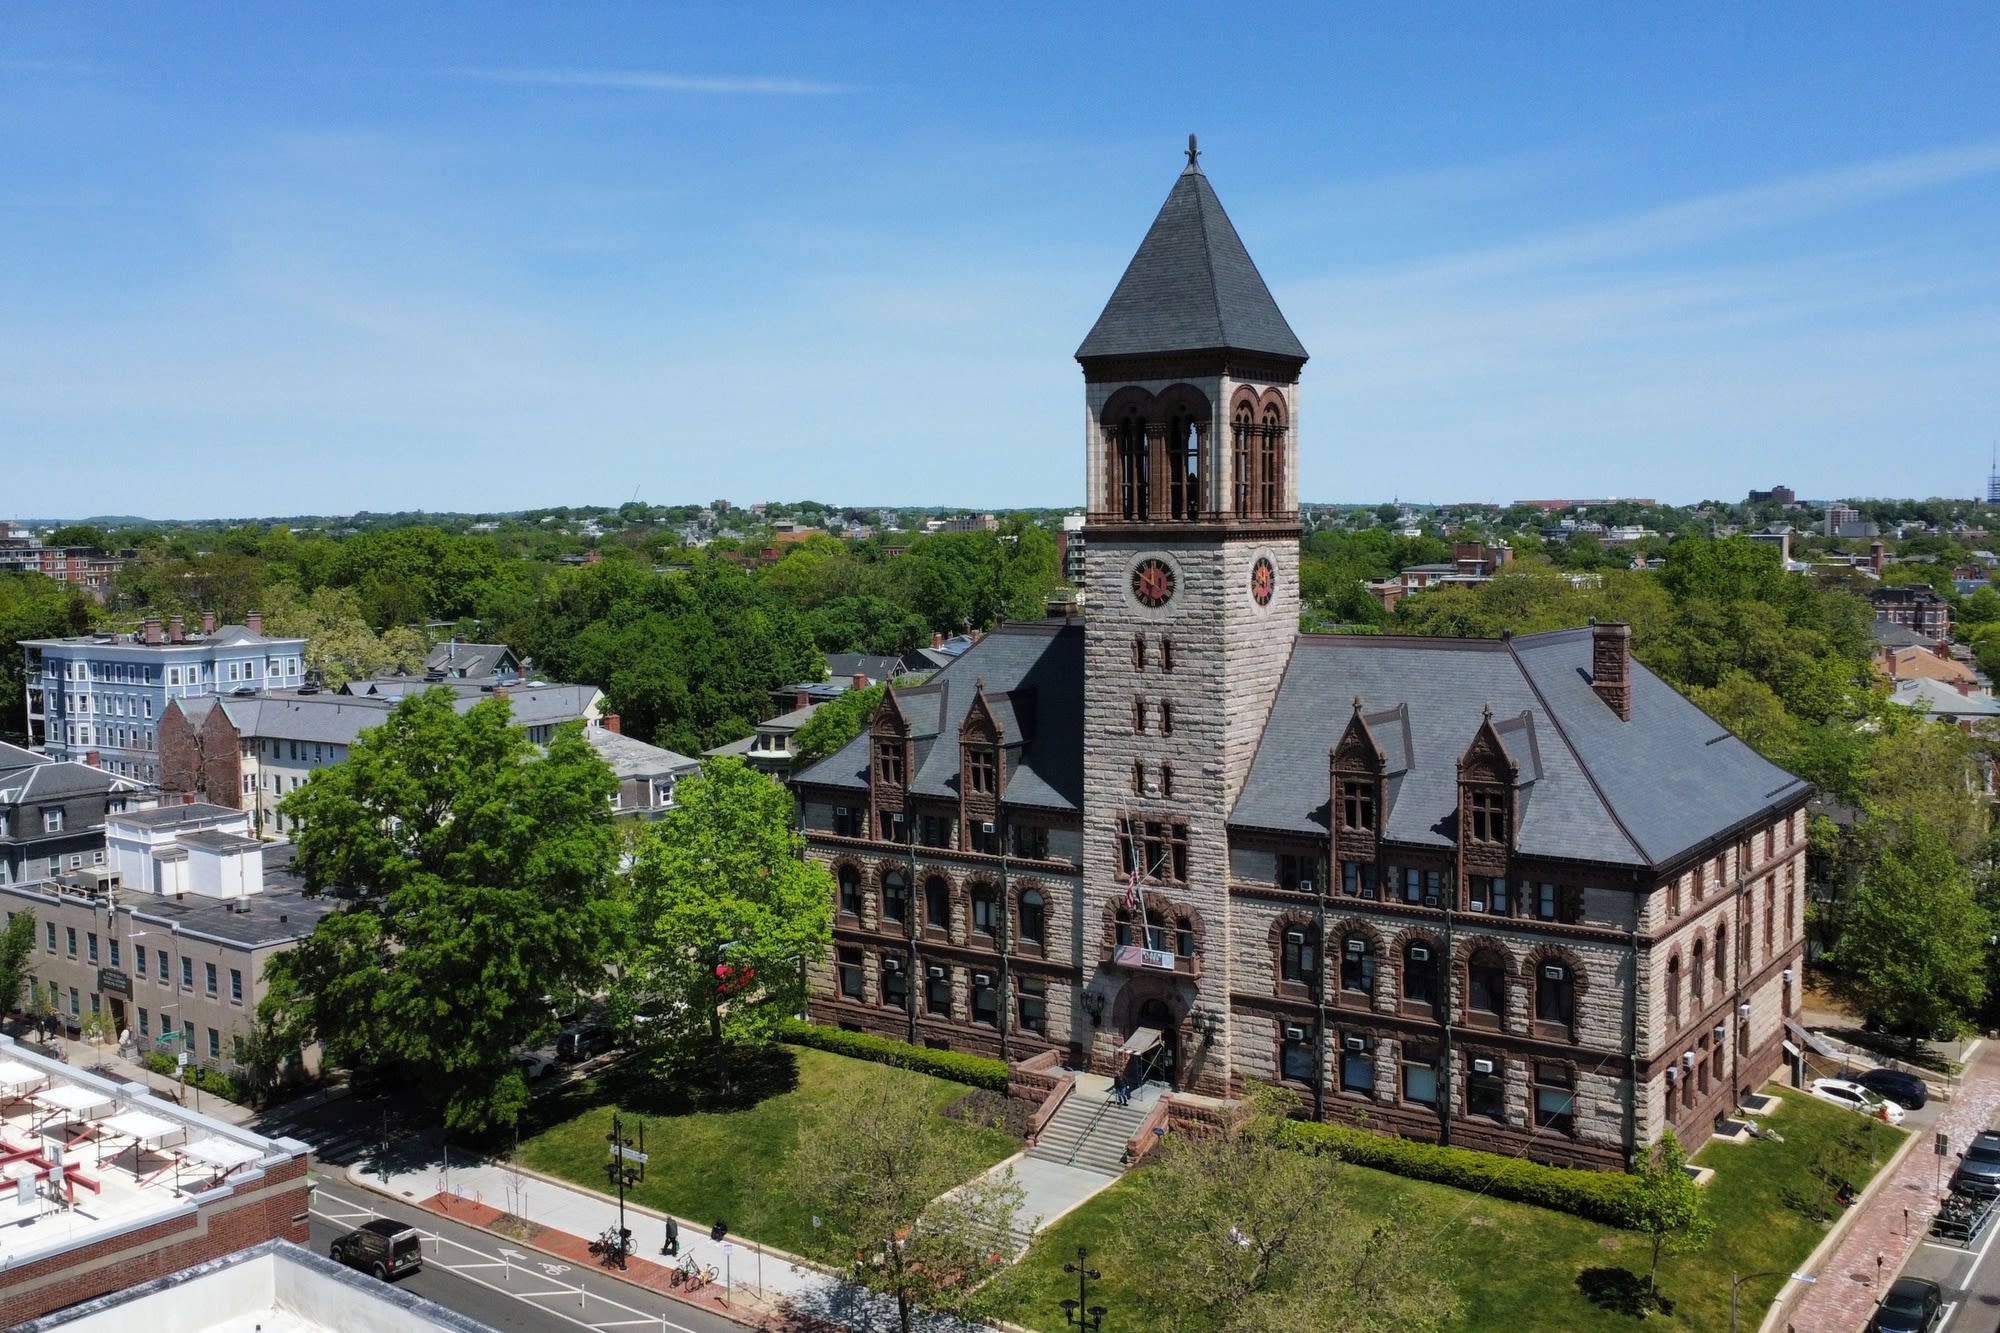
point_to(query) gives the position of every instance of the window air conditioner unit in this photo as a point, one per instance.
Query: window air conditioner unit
(1419, 954)
(1554, 972)
(1356, 1043)
(1295, 937)
(1430, 900)
(1368, 893)
(1305, 886)
(1294, 1033)
(1743, 1009)
(1721, 1032)
(1670, 1079)
(937, 974)
(1475, 906)
(1482, 1066)
(1357, 946)
(840, 811)
(1687, 1060)
(986, 979)
(986, 826)
(892, 964)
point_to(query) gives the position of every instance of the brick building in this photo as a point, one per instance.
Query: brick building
(144, 1187)
(1514, 894)
(1915, 606)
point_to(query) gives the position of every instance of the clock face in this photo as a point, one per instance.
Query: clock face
(1263, 581)
(1153, 582)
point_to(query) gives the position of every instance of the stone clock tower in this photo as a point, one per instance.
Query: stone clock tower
(1191, 574)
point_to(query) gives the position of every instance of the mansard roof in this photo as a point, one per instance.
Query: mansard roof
(1191, 287)
(1033, 681)
(1589, 787)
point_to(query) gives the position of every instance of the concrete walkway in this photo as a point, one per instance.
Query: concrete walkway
(1876, 1241)
(757, 1286)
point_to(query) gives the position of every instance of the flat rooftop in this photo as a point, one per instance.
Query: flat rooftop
(83, 1157)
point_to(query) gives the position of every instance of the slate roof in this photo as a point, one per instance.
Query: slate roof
(630, 757)
(1033, 678)
(1592, 787)
(470, 659)
(1943, 700)
(339, 719)
(27, 776)
(841, 667)
(1191, 287)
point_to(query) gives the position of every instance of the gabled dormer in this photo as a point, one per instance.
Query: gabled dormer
(982, 772)
(1488, 804)
(891, 766)
(1357, 797)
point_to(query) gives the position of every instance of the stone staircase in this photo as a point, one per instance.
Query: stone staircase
(1090, 1132)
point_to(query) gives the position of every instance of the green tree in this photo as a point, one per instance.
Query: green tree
(17, 945)
(1668, 1208)
(725, 911)
(79, 534)
(1913, 943)
(835, 723)
(476, 876)
(32, 607)
(904, 1210)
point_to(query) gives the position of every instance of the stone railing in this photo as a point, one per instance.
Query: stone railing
(1034, 1078)
(1050, 1105)
(1149, 1133)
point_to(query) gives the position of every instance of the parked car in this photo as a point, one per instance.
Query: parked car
(1906, 1090)
(1911, 1305)
(1979, 1167)
(1856, 1098)
(384, 1247)
(535, 1065)
(580, 1041)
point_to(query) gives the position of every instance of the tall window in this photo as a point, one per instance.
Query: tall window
(1357, 879)
(1298, 960)
(895, 984)
(1489, 816)
(937, 993)
(850, 891)
(981, 772)
(1357, 966)
(1138, 652)
(895, 898)
(1166, 717)
(1357, 805)
(1298, 870)
(1138, 777)
(1166, 782)
(850, 974)
(1555, 1097)
(1357, 1065)
(889, 762)
(1270, 465)
(1131, 479)
(1420, 1077)
(1138, 716)
(1242, 428)
(1555, 994)
(985, 909)
(1166, 653)
(937, 903)
(1698, 973)
(1034, 917)
(1420, 974)
(1770, 913)
(1297, 1061)
(1674, 988)
(1485, 1089)
(985, 1000)
(1032, 1004)
(1486, 986)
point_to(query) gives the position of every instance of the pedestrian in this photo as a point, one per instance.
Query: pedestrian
(1119, 1092)
(673, 1242)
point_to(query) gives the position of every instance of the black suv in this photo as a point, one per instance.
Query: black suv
(1979, 1167)
(1907, 1090)
(1912, 1305)
(384, 1247)
(580, 1041)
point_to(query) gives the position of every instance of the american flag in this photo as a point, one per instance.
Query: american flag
(1132, 890)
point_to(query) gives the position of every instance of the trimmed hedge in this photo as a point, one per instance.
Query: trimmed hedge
(1601, 1196)
(976, 1070)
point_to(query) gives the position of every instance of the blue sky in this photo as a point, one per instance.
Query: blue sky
(278, 259)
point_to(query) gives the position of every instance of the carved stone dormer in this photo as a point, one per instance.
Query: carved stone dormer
(1488, 807)
(982, 772)
(1358, 805)
(891, 764)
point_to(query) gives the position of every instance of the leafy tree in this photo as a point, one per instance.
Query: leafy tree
(724, 911)
(17, 945)
(866, 625)
(476, 876)
(1250, 1234)
(1668, 1208)
(904, 1210)
(835, 723)
(79, 534)
(1913, 945)
(32, 607)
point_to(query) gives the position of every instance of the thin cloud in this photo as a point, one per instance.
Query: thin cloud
(655, 82)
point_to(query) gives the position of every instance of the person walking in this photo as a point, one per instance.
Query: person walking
(1120, 1093)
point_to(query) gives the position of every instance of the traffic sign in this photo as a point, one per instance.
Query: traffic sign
(628, 1154)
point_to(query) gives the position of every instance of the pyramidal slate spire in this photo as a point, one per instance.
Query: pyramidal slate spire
(1192, 287)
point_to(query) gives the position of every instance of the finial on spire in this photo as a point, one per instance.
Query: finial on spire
(1193, 155)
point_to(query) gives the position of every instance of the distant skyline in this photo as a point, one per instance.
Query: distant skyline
(498, 257)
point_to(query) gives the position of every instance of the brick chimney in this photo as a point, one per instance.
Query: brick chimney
(1877, 556)
(937, 640)
(1611, 666)
(207, 623)
(176, 630)
(860, 681)
(801, 699)
(94, 759)
(612, 724)
(254, 622)
(152, 631)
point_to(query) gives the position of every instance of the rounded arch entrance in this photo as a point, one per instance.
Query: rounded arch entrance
(1150, 1004)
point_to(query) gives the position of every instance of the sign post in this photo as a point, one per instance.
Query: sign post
(1943, 1148)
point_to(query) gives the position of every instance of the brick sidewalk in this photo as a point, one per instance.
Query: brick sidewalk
(1846, 1292)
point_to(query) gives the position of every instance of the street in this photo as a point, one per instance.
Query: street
(511, 1287)
(1970, 1277)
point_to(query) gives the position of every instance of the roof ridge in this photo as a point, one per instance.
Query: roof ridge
(1582, 767)
(1208, 250)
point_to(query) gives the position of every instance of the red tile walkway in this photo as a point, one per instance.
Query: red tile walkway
(1847, 1291)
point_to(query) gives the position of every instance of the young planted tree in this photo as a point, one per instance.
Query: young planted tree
(1249, 1233)
(476, 875)
(17, 943)
(903, 1209)
(1913, 941)
(1668, 1208)
(726, 912)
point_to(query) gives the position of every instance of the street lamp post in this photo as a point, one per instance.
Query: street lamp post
(627, 1167)
(1736, 1285)
(1079, 1313)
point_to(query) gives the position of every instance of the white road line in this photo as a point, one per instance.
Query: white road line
(1944, 1315)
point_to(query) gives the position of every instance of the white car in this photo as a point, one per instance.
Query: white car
(535, 1065)
(1856, 1098)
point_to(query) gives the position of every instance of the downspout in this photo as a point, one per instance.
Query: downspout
(909, 914)
(1005, 940)
(1319, 997)
(1632, 1052)
(1444, 1046)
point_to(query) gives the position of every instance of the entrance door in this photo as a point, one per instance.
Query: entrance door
(1161, 1063)
(117, 1016)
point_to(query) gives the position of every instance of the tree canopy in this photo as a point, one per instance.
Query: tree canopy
(475, 876)
(1913, 947)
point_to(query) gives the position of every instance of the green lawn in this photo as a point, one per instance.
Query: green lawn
(707, 1164)
(1520, 1267)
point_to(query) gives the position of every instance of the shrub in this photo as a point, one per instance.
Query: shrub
(977, 1070)
(1601, 1196)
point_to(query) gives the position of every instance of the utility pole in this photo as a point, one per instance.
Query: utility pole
(627, 1167)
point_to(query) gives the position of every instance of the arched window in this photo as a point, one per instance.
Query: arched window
(985, 909)
(1298, 960)
(1241, 428)
(1270, 467)
(1122, 927)
(1131, 474)
(1674, 988)
(1183, 466)
(1486, 986)
(1699, 972)
(895, 897)
(1555, 995)
(1420, 973)
(1357, 966)
(850, 891)
(1034, 917)
(1721, 955)
(937, 903)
